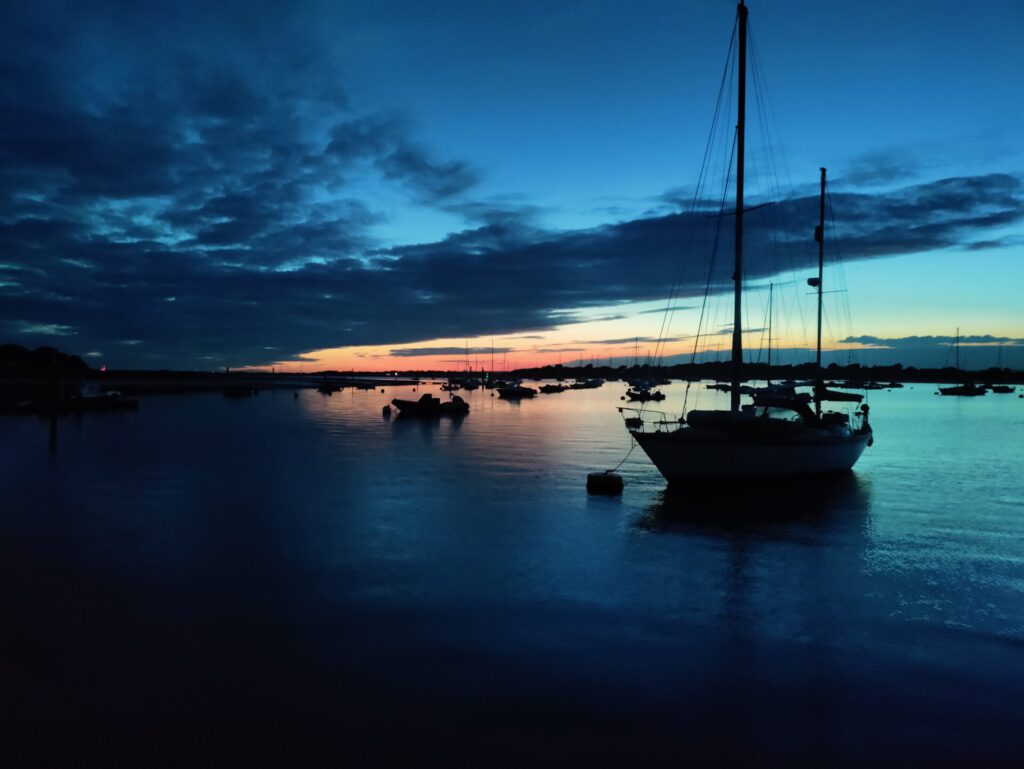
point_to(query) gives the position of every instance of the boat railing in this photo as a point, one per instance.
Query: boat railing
(856, 419)
(859, 418)
(646, 420)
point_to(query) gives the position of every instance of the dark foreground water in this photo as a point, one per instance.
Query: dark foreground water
(285, 581)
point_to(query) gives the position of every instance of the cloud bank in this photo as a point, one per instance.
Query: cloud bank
(184, 190)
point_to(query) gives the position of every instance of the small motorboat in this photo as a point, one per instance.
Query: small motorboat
(515, 392)
(428, 406)
(643, 395)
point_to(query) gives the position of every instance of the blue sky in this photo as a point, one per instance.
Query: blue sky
(199, 185)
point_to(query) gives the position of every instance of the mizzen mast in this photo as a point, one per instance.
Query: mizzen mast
(741, 119)
(819, 235)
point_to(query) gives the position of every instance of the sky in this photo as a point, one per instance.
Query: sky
(400, 185)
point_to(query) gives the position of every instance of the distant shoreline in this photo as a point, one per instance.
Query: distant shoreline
(15, 384)
(716, 371)
(48, 374)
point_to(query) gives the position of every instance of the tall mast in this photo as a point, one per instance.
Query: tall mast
(741, 120)
(819, 235)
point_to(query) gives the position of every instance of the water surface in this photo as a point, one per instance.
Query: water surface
(211, 580)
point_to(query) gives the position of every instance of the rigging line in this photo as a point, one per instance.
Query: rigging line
(781, 243)
(840, 265)
(766, 171)
(765, 325)
(711, 269)
(698, 192)
(769, 126)
(836, 271)
(769, 123)
(711, 261)
(677, 279)
(632, 446)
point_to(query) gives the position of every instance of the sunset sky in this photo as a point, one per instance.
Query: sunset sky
(380, 185)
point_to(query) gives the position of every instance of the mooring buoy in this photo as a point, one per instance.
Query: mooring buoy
(604, 483)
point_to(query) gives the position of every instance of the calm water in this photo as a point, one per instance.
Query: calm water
(215, 581)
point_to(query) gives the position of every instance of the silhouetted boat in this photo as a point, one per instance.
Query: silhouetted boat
(754, 440)
(587, 384)
(643, 394)
(1000, 388)
(516, 391)
(430, 406)
(553, 388)
(967, 389)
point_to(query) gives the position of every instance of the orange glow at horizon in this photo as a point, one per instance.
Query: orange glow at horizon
(380, 359)
(562, 346)
(617, 335)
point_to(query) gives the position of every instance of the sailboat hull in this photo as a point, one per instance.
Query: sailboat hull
(686, 454)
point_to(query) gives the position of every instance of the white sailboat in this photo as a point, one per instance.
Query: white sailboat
(776, 435)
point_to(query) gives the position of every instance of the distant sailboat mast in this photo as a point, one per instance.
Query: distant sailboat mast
(819, 235)
(737, 324)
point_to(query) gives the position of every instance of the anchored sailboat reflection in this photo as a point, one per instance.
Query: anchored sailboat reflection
(711, 508)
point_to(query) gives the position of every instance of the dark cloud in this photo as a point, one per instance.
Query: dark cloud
(881, 168)
(418, 352)
(183, 187)
(946, 213)
(976, 351)
(659, 310)
(627, 340)
(934, 341)
(434, 182)
(191, 304)
(988, 245)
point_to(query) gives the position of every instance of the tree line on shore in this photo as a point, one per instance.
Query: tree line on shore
(47, 362)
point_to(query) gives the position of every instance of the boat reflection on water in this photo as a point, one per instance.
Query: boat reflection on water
(775, 610)
(426, 425)
(841, 499)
